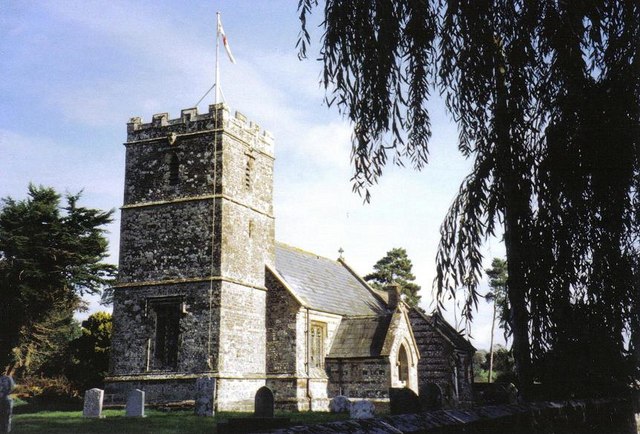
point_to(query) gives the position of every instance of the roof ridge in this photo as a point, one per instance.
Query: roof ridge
(305, 252)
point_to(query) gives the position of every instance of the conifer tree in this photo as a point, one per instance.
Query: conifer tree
(396, 267)
(50, 255)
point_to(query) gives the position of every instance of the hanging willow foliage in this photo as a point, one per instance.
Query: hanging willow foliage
(546, 96)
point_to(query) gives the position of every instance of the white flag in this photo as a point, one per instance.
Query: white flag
(224, 40)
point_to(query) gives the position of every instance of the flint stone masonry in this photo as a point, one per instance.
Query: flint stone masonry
(135, 404)
(93, 403)
(439, 356)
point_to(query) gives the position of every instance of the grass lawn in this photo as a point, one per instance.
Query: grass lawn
(114, 422)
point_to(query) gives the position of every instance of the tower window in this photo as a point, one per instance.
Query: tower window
(174, 170)
(248, 171)
(166, 335)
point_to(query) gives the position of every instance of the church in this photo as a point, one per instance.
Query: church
(205, 290)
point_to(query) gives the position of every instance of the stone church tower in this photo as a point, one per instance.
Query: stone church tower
(196, 234)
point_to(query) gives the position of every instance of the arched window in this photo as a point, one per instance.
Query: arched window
(174, 170)
(403, 364)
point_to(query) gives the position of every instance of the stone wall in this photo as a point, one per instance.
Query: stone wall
(359, 378)
(438, 358)
(168, 241)
(133, 327)
(295, 386)
(282, 310)
(573, 417)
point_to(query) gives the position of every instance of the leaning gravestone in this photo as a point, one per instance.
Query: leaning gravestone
(205, 393)
(430, 397)
(362, 410)
(339, 404)
(93, 403)
(403, 401)
(264, 402)
(135, 403)
(6, 403)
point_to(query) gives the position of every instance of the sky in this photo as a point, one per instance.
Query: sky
(72, 73)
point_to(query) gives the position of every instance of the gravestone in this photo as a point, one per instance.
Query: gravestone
(261, 420)
(430, 397)
(264, 403)
(6, 403)
(339, 404)
(135, 403)
(205, 394)
(362, 410)
(403, 401)
(93, 403)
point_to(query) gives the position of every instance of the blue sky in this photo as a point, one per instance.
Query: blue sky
(73, 73)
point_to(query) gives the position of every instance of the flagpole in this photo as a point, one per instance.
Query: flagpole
(217, 100)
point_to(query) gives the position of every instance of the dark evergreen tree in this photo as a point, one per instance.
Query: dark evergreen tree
(90, 352)
(50, 255)
(546, 95)
(396, 267)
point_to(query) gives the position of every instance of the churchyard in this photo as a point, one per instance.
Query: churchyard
(156, 421)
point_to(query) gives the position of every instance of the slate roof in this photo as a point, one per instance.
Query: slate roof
(447, 331)
(360, 337)
(325, 285)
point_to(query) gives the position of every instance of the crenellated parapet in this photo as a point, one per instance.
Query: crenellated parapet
(190, 122)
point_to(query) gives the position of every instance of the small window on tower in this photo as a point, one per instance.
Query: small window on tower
(248, 171)
(174, 170)
(166, 316)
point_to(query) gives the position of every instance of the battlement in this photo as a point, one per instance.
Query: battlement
(190, 121)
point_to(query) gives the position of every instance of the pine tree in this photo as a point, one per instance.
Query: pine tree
(396, 267)
(498, 296)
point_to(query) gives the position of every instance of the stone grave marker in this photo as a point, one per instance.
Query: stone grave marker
(6, 403)
(205, 394)
(135, 403)
(339, 404)
(261, 420)
(430, 397)
(264, 403)
(93, 403)
(362, 410)
(403, 401)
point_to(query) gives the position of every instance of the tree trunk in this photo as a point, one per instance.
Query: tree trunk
(493, 324)
(516, 211)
